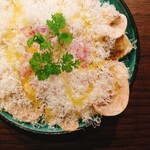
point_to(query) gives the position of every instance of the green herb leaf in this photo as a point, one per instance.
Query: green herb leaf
(65, 38)
(45, 45)
(58, 22)
(35, 61)
(46, 57)
(68, 63)
(42, 62)
(49, 69)
(53, 68)
(42, 74)
(38, 38)
(30, 42)
(76, 63)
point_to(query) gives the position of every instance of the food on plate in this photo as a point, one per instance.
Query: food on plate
(120, 100)
(22, 112)
(59, 61)
(121, 48)
(119, 25)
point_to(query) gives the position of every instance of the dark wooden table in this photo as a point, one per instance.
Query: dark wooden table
(130, 130)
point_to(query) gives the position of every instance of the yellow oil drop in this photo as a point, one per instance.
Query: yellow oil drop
(48, 114)
(13, 55)
(32, 49)
(9, 55)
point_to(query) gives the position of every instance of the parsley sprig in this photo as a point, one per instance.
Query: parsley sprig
(42, 62)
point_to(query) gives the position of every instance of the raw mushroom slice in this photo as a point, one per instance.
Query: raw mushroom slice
(120, 100)
(121, 48)
(119, 25)
(22, 112)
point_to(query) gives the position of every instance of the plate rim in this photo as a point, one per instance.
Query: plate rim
(138, 43)
(137, 60)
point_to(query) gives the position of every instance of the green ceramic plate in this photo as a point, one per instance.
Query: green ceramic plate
(131, 61)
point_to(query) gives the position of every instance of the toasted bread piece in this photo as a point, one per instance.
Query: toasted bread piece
(22, 112)
(69, 125)
(120, 100)
(119, 25)
(122, 47)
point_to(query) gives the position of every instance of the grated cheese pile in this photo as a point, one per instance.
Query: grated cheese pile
(62, 99)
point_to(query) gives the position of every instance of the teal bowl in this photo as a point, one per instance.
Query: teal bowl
(131, 61)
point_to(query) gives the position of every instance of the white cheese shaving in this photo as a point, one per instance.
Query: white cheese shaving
(89, 23)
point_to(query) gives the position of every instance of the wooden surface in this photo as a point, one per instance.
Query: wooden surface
(130, 130)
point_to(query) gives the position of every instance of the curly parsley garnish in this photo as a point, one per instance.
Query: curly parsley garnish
(42, 62)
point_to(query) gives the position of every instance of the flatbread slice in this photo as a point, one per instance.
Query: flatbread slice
(121, 48)
(22, 112)
(120, 100)
(119, 25)
(69, 125)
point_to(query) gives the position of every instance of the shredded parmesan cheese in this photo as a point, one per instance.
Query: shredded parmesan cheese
(69, 95)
